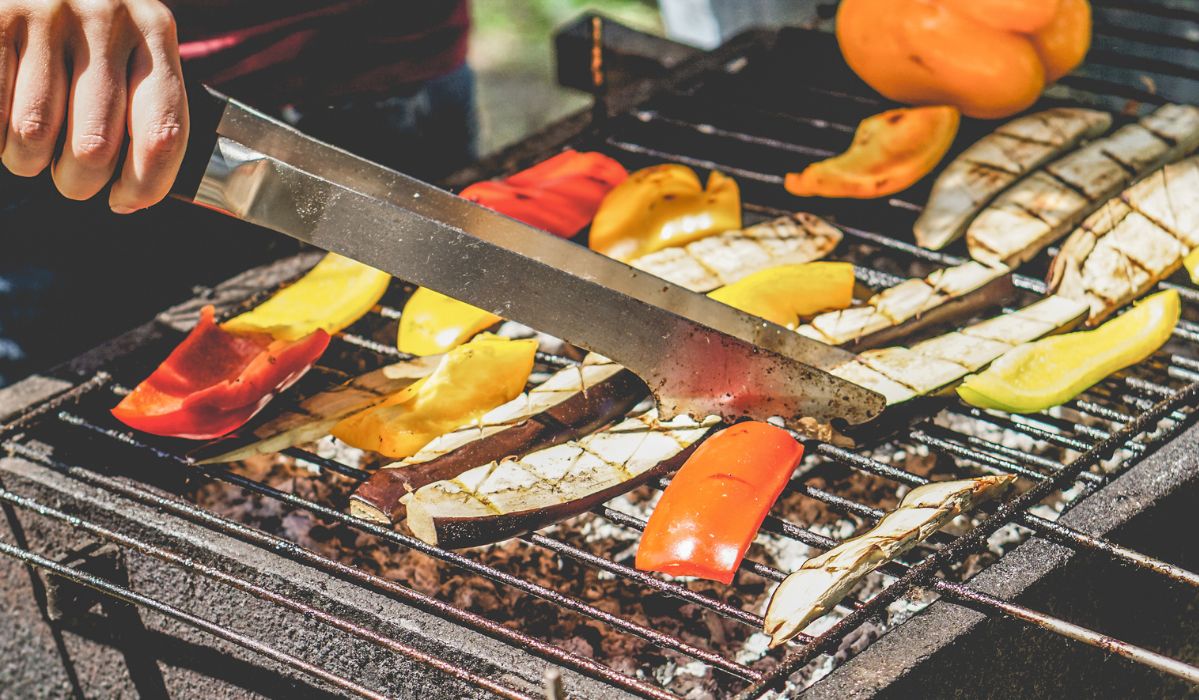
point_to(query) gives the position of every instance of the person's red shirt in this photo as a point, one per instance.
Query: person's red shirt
(270, 52)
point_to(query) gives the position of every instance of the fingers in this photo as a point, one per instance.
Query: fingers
(8, 72)
(39, 97)
(157, 117)
(95, 125)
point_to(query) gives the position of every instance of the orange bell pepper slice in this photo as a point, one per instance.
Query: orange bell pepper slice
(714, 505)
(890, 152)
(988, 58)
(664, 206)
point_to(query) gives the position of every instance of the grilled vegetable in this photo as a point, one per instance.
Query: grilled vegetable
(573, 402)
(334, 294)
(433, 323)
(988, 59)
(890, 152)
(664, 206)
(1133, 242)
(783, 294)
(470, 381)
(824, 580)
(725, 258)
(559, 195)
(508, 497)
(314, 417)
(997, 160)
(934, 365)
(716, 502)
(215, 381)
(1191, 262)
(1050, 372)
(1043, 207)
(946, 294)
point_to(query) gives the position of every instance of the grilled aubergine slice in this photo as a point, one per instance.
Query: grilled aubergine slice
(997, 160)
(508, 497)
(942, 297)
(572, 402)
(1132, 243)
(1048, 204)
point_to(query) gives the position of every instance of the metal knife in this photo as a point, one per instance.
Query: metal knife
(698, 356)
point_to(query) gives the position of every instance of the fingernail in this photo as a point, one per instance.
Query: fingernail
(122, 209)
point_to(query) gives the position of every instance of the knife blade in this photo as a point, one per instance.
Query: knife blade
(698, 356)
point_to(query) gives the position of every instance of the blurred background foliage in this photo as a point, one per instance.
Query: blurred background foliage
(512, 53)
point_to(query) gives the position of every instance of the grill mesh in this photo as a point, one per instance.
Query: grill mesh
(717, 119)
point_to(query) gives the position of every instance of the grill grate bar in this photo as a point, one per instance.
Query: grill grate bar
(297, 552)
(224, 475)
(1008, 512)
(125, 594)
(268, 595)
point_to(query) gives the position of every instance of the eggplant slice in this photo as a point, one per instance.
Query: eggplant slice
(572, 402)
(1043, 207)
(937, 364)
(996, 161)
(1132, 243)
(715, 261)
(512, 496)
(945, 295)
(823, 581)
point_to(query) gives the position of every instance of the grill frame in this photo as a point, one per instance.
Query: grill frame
(30, 393)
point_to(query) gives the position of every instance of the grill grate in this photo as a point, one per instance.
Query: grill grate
(713, 119)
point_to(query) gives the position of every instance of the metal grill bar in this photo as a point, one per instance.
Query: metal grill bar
(128, 596)
(268, 595)
(294, 551)
(663, 640)
(1008, 512)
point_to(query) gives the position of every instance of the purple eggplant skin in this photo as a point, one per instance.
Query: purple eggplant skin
(378, 498)
(458, 533)
(950, 311)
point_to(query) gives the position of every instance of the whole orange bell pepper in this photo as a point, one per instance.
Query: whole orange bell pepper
(716, 502)
(988, 58)
(890, 153)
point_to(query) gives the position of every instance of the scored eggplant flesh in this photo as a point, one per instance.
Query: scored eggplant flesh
(1132, 243)
(823, 581)
(996, 161)
(934, 365)
(572, 402)
(512, 496)
(715, 261)
(1041, 208)
(941, 297)
(314, 417)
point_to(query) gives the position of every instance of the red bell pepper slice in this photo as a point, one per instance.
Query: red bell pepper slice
(716, 502)
(559, 195)
(215, 381)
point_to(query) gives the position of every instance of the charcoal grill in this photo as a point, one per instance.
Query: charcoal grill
(121, 577)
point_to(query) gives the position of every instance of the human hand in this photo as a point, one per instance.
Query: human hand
(94, 72)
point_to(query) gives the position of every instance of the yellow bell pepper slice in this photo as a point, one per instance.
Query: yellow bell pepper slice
(785, 293)
(433, 323)
(664, 206)
(1191, 261)
(1054, 370)
(332, 295)
(470, 381)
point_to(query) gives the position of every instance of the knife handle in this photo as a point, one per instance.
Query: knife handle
(205, 108)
